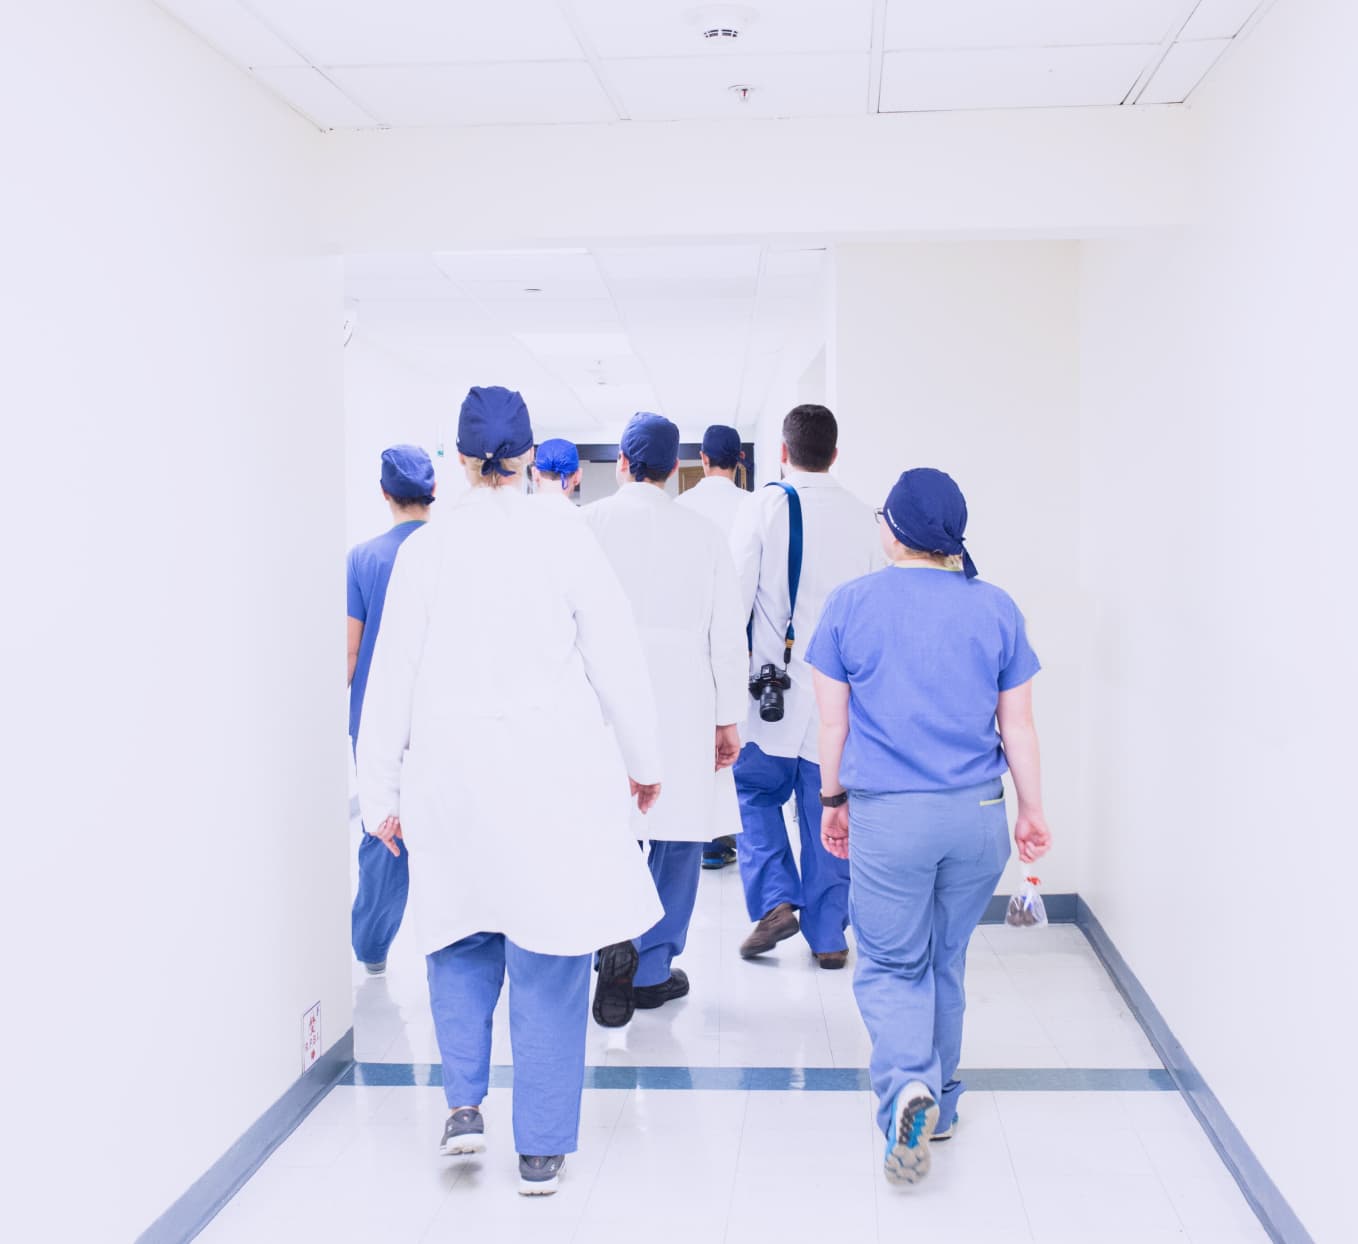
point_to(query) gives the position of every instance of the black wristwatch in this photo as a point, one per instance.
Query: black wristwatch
(834, 801)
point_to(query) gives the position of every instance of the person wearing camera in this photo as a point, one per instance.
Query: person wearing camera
(507, 652)
(923, 674)
(676, 569)
(793, 544)
(718, 497)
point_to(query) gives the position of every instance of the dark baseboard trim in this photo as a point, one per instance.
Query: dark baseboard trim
(1270, 1206)
(224, 1178)
(1061, 908)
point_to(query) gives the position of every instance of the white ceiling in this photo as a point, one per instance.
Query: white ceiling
(698, 333)
(350, 64)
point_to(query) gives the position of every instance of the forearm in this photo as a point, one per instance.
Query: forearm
(831, 749)
(1022, 753)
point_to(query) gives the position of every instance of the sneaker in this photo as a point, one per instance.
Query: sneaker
(914, 1116)
(719, 853)
(776, 926)
(465, 1132)
(648, 997)
(614, 999)
(375, 969)
(832, 960)
(946, 1133)
(538, 1176)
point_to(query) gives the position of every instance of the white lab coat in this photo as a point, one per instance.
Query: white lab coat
(557, 502)
(677, 572)
(717, 498)
(839, 543)
(506, 640)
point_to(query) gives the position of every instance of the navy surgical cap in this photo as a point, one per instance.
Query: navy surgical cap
(722, 446)
(651, 444)
(407, 473)
(560, 457)
(926, 511)
(492, 426)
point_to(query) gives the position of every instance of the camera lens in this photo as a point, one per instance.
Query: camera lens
(771, 704)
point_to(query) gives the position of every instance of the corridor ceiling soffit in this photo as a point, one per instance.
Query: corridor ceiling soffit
(356, 64)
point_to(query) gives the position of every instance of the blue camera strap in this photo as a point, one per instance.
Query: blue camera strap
(794, 566)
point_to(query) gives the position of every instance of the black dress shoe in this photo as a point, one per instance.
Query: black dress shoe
(613, 994)
(648, 997)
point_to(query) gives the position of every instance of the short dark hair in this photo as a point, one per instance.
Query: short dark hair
(411, 503)
(649, 474)
(811, 435)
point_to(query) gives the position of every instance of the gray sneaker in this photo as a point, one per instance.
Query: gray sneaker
(538, 1176)
(465, 1132)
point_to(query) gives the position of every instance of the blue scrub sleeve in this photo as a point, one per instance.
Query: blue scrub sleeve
(1023, 662)
(357, 609)
(823, 653)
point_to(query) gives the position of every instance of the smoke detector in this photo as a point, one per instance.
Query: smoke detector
(721, 25)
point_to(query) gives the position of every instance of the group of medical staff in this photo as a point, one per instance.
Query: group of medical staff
(560, 714)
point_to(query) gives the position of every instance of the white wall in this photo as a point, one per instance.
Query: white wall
(963, 356)
(176, 890)
(1218, 450)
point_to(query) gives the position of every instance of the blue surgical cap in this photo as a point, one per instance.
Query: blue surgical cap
(650, 444)
(722, 446)
(492, 426)
(407, 473)
(926, 511)
(560, 457)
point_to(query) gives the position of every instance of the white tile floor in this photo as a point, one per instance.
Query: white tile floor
(768, 1167)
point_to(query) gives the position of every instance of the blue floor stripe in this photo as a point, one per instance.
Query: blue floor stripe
(794, 1079)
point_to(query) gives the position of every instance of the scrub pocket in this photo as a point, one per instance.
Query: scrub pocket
(995, 819)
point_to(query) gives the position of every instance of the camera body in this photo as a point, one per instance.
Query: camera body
(767, 687)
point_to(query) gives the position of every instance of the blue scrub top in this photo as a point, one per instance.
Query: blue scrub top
(370, 566)
(926, 653)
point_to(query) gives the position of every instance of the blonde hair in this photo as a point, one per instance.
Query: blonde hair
(944, 561)
(494, 480)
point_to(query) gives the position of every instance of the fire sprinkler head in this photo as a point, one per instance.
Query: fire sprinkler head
(741, 92)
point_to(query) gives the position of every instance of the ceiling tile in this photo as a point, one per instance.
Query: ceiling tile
(1183, 68)
(678, 265)
(1218, 19)
(526, 267)
(309, 91)
(234, 31)
(655, 28)
(427, 95)
(931, 81)
(399, 32)
(835, 84)
(1029, 23)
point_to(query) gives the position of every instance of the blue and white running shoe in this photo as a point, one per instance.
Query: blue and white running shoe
(914, 1118)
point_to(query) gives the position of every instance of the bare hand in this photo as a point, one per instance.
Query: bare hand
(834, 830)
(728, 746)
(388, 832)
(1031, 836)
(646, 795)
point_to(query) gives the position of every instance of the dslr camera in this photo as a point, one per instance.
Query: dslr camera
(767, 687)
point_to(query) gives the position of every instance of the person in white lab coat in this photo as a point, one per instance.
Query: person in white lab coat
(718, 497)
(839, 543)
(556, 472)
(507, 652)
(676, 569)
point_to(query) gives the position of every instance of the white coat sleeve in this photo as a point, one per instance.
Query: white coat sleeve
(747, 547)
(615, 662)
(728, 643)
(384, 732)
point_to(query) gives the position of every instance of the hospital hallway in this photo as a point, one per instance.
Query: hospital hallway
(285, 279)
(740, 1114)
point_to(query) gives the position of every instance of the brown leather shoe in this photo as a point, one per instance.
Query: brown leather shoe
(832, 959)
(776, 926)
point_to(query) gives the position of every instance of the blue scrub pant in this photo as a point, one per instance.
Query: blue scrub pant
(548, 1016)
(380, 904)
(768, 869)
(675, 868)
(924, 868)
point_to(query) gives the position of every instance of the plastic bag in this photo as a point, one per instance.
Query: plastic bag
(1026, 909)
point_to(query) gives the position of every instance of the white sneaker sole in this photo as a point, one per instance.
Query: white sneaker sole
(544, 1188)
(908, 1164)
(462, 1146)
